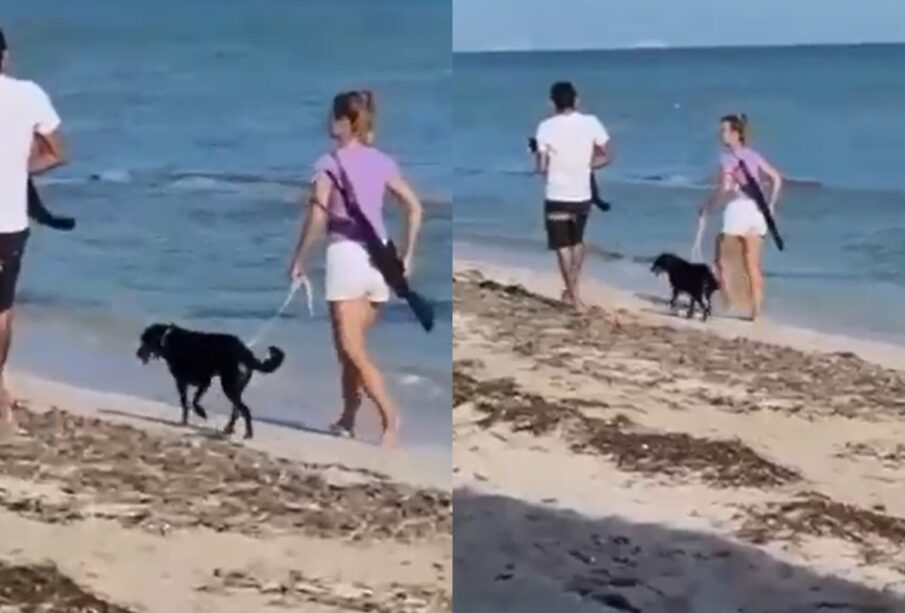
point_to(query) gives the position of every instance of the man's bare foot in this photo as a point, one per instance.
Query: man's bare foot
(576, 303)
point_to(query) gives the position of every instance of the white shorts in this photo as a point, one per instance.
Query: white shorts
(350, 274)
(743, 218)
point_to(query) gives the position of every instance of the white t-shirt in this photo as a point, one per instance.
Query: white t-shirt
(24, 110)
(568, 139)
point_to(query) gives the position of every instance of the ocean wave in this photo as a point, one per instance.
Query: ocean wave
(434, 386)
(803, 182)
(114, 175)
(199, 181)
(640, 259)
(394, 312)
(669, 179)
(675, 179)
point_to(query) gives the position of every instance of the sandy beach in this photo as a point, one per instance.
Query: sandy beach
(105, 506)
(627, 460)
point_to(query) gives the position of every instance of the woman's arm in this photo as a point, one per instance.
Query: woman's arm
(414, 212)
(775, 183)
(313, 225)
(721, 184)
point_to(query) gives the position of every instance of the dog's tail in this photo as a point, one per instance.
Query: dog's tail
(273, 361)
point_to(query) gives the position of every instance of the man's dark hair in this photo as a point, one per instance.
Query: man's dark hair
(2, 41)
(563, 95)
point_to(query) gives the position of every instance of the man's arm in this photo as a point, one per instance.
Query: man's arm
(603, 150)
(47, 151)
(602, 156)
(541, 151)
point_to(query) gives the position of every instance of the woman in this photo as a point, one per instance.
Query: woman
(742, 219)
(354, 288)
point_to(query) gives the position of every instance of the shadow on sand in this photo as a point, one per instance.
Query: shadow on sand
(515, 556)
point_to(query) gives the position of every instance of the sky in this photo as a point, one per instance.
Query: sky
(489, 25)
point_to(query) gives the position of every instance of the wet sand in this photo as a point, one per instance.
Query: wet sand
(626, 460)
(100, 511)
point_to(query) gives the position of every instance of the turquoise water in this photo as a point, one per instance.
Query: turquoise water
(829, 117)
(192, 127)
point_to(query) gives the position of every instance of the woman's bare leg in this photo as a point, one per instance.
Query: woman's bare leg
(350, 378)
(751, 250)
(352, 319)
(719, 264)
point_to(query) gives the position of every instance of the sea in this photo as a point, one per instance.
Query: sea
(832, 119)
(192, 128)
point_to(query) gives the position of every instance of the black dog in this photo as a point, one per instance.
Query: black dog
(696, 280)
(195, 358)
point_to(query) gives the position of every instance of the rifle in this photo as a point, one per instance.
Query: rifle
(595, 195)
(384, 255)
(752, 190)
(38, 212)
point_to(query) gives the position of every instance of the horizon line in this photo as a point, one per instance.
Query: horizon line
(667, 47)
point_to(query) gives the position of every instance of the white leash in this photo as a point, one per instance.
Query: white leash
(296, 284)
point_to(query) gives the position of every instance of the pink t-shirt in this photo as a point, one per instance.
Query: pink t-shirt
(729, 162)
(369, 171)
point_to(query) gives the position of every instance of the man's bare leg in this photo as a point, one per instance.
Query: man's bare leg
(564, 258)
(7, 421)
(578, 253)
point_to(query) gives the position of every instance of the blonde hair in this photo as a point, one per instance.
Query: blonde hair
(358, 107)
(738, 123)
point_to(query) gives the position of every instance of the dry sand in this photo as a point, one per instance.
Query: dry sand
(107, 507)
(627, 460)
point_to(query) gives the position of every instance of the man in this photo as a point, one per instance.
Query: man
(568, 146)
(29, 145)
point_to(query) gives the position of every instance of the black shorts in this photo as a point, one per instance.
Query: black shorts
(12, 248)
(566, 229)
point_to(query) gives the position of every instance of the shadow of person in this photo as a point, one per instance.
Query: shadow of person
(510, 555)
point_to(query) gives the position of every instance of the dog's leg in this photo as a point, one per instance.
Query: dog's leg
(674, 301)
(233, 383)
(231, 424)
(244, 380)
(182, 388)
(246, 415)
(196, 402)
(240, 408)
(691, 303)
